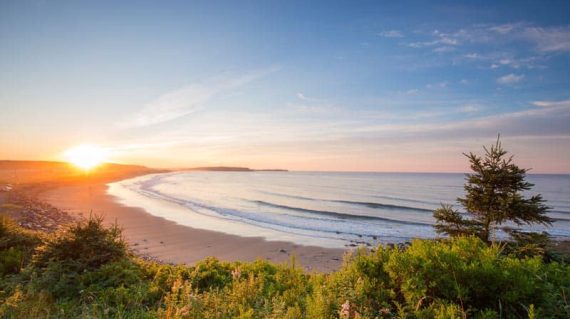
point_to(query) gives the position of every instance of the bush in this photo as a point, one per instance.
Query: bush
(466, 272)
(442, 279)
(84, 246)
(16, 246)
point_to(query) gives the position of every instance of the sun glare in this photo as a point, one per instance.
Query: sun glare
(85, 156)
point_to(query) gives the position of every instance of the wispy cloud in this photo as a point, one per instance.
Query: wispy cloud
(498, 60)
(472, 56)
(553, 39)
(438, 39)
(311, 105)
(258, 134)
(444, 49)
(543, 121)
(510, 79)
(469, 108)
(391, 34)
(496, 45)
(302, 97)
(505, 28)
(189, 99)
(549, 104)
(438, 85)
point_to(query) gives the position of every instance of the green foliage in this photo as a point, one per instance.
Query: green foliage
(84, 246)
(16, 246)
(253, 290)
(494, 195)
(466, 272)
(529, 245)
(458, 278)
(445, 279)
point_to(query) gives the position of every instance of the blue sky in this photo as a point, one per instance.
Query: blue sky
(344, 85)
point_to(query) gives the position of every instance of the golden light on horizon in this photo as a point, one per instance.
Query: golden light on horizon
(85, 156)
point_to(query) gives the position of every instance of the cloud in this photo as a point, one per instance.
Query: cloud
(472, 56)
(448, 41)
(311, 105)
(438, 85)
(552, 104)
(301, 96)
(546, 39)
(495, 60)
(263, 134)
(553, 39)
(443, 49)
(443, 40)
(505, 28)
(510, 79)
(391, 34)
(546, 121)
(189, 99)
(497, 45)
(507, 62)
(469, 108)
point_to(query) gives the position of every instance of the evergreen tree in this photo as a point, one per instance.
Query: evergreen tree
(493, 197)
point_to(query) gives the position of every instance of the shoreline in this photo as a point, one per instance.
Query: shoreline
(166, 241)
(155, 238)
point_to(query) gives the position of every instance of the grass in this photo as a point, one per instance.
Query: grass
(87, 271)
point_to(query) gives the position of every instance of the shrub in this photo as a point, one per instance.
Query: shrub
(466, 272)
(16, 246)
(362, 284)
(85, 246)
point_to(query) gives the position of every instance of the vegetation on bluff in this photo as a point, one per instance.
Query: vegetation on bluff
(87, 271)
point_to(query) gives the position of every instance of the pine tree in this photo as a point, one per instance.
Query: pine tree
(493, 197)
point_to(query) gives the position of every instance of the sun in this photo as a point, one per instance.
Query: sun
(85, 156)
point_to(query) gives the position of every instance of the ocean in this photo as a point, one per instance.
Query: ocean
(324, 209)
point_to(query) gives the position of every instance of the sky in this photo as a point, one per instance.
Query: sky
(405, 86)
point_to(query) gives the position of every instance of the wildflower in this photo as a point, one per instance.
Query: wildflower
(345, 310)
(236, 273)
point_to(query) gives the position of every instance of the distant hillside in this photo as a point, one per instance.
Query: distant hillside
(42, 171)
(233, 169)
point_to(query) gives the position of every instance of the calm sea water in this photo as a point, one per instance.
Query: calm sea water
(315, 208)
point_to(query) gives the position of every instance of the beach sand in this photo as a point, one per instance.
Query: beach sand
(167, 241)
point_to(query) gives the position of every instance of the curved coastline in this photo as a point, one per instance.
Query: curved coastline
(265, 205)
(270, 220)
(169, 241)
(160, 239)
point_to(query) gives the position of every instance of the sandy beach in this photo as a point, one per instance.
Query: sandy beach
(169, 242)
